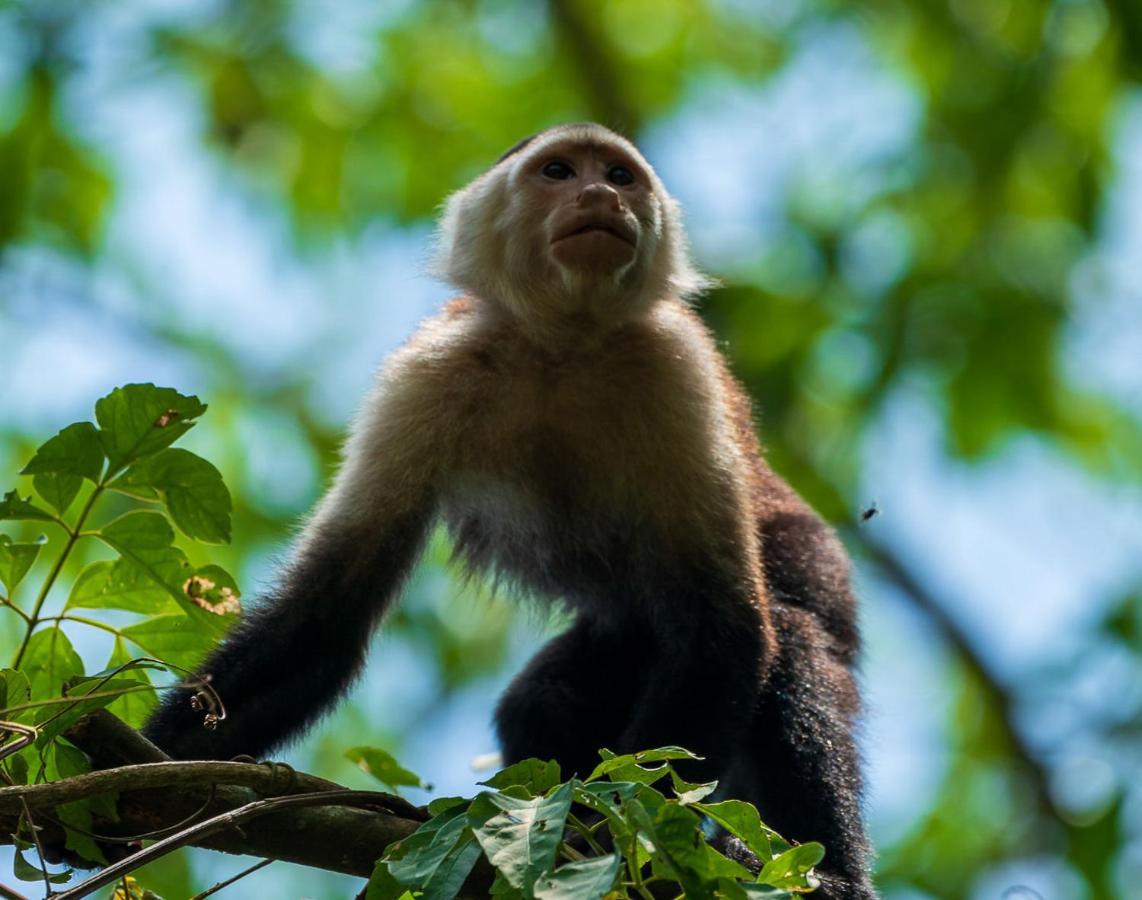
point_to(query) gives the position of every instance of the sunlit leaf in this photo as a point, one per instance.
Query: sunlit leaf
(13, 507)
(587, 879)
(49, 661)
(792, 868)
(174, 638)
(144, 538)
(63, 461)
(414, 860)
(636, 766)
(140, 419)
(382, 766)
(740, 819)
(522, 838)
(534, 774)
(191, 487)
(119, 584)
(15, 560)
(14, 688)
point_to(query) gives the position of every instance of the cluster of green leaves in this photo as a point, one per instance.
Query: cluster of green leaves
(613, 834)
(133, 490)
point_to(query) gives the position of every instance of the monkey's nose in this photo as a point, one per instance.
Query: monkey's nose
(599, 194)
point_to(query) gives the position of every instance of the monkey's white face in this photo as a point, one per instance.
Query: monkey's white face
(571, 226)
(592, 199)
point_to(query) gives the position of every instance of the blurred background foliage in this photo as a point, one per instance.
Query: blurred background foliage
(927, 221)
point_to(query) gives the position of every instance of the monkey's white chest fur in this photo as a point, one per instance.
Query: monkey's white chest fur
(569, 476)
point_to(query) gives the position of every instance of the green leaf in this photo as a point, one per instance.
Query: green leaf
(63, 461)
(15, 560)
(740, 819)
(57, 490)
(414, 860)
(691, 793)
(15, 689)
(12, 507)
(732, 889)
(442, 804)
(383, 767)
(119, 584)
(534, 774)
(65, 761)
(792, 868)
(17, 767)
(382, 885)
(190, 486)
(26, 871)
(587, 879)
(522, 839)
(49, 661)
(633, 766)
(145, 538)
(640, 824)
(717, 865)
(452, 871)
(680, 844)
(174, 638)
(139, 531)
(140, 419)
(607, 798)
(504, 891)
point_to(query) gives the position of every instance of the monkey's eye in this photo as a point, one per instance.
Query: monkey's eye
(558, 170)
(620, 175)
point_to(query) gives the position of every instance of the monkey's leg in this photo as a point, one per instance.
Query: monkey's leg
(709, 654)
(800, 765)
(574, 697)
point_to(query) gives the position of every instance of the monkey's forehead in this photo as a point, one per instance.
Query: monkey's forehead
(579, 132)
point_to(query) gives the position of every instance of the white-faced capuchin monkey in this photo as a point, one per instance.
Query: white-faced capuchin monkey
(571, 420)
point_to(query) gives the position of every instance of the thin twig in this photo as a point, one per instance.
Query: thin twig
(7, 603)
(39, 850)
(144, 835)
(214, 889)
(8, 893)
(208, 827)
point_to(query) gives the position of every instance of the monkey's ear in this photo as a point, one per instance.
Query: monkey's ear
(465, 243)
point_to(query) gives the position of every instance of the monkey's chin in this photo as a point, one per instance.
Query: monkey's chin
(593, 251)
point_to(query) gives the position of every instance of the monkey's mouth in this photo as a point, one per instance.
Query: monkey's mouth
(613, 229)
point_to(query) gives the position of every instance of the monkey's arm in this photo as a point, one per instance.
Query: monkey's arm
(299, 649)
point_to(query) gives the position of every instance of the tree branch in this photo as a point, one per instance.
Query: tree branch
(267, 779)
(195, 834)
(155, 793)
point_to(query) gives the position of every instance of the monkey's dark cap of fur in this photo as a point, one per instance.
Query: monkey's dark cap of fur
(515, 148)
